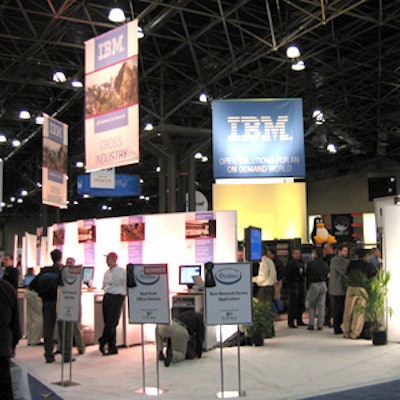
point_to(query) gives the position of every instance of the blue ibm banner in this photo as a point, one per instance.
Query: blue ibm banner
(258, 138)
(125, 185)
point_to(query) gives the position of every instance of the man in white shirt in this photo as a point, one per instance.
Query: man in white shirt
(265, 280)
(114, 286)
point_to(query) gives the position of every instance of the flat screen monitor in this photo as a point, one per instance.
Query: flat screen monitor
(186, 273)
(87, 275)
(253, 243)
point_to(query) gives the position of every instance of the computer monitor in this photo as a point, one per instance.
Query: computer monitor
(186, 273)
(87, 275)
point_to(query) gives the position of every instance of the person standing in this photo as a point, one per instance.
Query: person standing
(316, 274)
(338, 286)
(265, 280)
(280, 271)
(328, 254)
(11, 273)
(9, 336)
(46, 285)
(114, 286)
(296, 286)
(359, 273)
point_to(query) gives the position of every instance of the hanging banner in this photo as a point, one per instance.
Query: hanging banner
(229, 302)
(54, 164)
(148, 298)
(59, 236)
(69, 300)
(201, 227)
(87, 239)
(258, 138)
(133, 236)
(112, 99)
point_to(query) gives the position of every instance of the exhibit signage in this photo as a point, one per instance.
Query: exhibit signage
(148, 298)
(69, 301)
(111, 99)
(258, 138)
(229, 302)
(54, 164)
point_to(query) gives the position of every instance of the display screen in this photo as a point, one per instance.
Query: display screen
(87, 274)
(186, 273)
(253, 244)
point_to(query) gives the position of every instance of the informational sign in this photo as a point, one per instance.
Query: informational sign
(103, 179)
(342, 227)
(54, 164)
(258, 138)
(112, 99)
(69, 301)
(148, 298)
(229, 302)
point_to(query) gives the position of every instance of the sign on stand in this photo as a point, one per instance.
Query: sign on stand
(148, 302)
(69, 310)
(229, 302)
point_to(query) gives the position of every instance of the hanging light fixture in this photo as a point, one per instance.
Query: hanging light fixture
(292, 52)
(116, 15)
(24, 114)
(59, 77)
(140, 33)
(203, 98)
(298, 65)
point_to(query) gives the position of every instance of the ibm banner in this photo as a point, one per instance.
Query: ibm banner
(111, 99)
(54, 164)
(258, 138)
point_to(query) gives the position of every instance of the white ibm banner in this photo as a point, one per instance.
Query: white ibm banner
(54, 164)
(112, 99)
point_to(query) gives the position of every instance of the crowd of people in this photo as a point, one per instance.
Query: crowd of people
(328, 286)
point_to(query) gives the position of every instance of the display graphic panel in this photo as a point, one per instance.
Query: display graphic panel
(258, 138)
(54, 164)
(111, 99)
(229, 302)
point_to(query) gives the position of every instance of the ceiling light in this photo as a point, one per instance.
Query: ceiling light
(104, 207)
(298, 65)
(86, 196)
(12, 199)
(75, 202)
(331, 148)
(15, 143)
(23, 114)
(79, 164)
(38, 184)
(203, 98)
(24, 192)
(141, 180)
(39, 120)
(318, 115)
(3, 138)
(140, 33)
(149, 126)
(292, 52)
(19, 200)
(76, 84)
(204, 159)
(116, 15)
(59, 77)
(158, 169)
(198, 156)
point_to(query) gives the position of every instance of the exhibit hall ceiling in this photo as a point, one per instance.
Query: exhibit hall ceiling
(222, 48)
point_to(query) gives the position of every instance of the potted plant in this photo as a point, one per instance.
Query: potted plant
(263, 323)
(376, 308)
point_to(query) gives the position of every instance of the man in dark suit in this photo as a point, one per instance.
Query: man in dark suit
(9, 335)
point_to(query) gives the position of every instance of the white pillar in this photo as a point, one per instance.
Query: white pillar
(391, 257)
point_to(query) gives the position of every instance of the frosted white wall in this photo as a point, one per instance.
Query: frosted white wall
(391, 255)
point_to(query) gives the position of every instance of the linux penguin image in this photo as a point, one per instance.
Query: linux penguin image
(320, 233)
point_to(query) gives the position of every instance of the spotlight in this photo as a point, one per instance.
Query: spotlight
(23, 114)
(24, 192)
(198, 156)
(158, 169)
(59, 77)
(15, 143)
(298, 65)
(79, 164)
(292, 52)
(116, 15)
(39, 120)
(331, 148)
(140, 33)
(76, 84)
(148, 126)
(203, 98)
(3, 138)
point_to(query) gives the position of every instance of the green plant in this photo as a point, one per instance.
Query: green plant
(263, 320)
(376, 307)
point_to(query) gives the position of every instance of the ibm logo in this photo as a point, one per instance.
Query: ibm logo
(253, 129)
